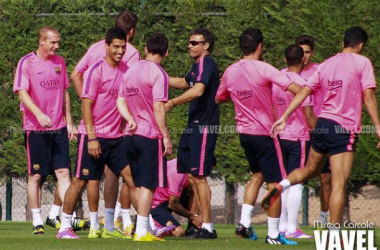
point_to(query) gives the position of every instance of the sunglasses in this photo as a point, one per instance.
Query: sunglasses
(195, 43)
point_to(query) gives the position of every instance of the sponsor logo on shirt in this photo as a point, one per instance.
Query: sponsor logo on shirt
(132, 91)
(51, 84)
(113, 93)
(280, 100)
(244, 94)
(334, 84)
(57, 69)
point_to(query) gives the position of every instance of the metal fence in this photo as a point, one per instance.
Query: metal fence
(362, 208)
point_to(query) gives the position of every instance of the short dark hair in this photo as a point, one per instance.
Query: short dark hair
(157, 44)
(115, 33)
(208, 36)
(250, 40)
(305, 40)
(354, 36)
(126, 20)
(293, 54)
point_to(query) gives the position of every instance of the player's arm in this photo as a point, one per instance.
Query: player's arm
(311, 119)
(93, 144)
(67, 113)
(221, 101)
(294, 104)
(42, 118)
(160, 115)
(178, 83)
(77, 79)
(127, 116)
(222, 95)
(191, 94)
(176, 206)
(372, 109)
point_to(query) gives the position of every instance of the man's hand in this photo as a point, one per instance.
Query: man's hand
(94, 149)
(168, 146)
(197, 221)
(132, 126)
(278, 126)
(72, 132)
(44, 120)
(169, 105)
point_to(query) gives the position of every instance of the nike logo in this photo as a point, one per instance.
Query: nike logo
(40, 72)
(192, 169)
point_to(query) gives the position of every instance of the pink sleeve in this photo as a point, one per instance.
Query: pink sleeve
(177, 184)
(21, 81)
(66, 78)
(281, 79)
(91, 80)
(122, 86)
(313, 83)
(160, 86)
(223, 93)
(367, 77)
(92, 55)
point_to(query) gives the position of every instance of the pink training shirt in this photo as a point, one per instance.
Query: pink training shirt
(144, 84)
(342, 80)
(249, 84)
(97, 51)
(318, 98)
(101, 83)
(45, 81)
(176, 183)
(296, 128)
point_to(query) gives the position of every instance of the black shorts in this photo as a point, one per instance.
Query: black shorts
(47, 151)
(113, 155)
(162, 215)
(331, 138)
(145, 157)
(294, 154)
(263, 155)
(196, 151)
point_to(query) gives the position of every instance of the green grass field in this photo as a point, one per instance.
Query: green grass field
(18, 236)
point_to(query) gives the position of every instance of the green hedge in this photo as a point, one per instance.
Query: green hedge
(279, 20)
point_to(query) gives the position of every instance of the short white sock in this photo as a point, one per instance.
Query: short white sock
(74, 216)
(284, 212)
(109, 215)
(246, 215)
(152, 224)
(54, 211)
(142, 225)
(207, 226)
(323, 217)
(65, 221)
(94, 222)
(37, 220)
(285, 183)
(117, 211)
(273, 224)
(126, 215)
(293, 206)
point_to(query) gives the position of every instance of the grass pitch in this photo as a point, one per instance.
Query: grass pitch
(18, 236)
